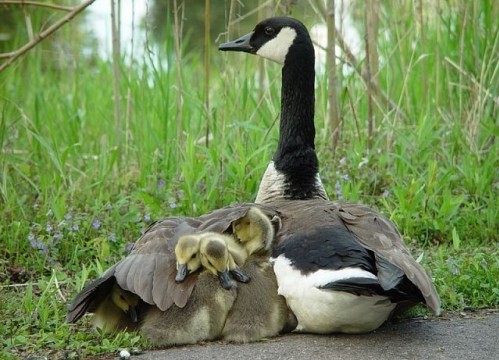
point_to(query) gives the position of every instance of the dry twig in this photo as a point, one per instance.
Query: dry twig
(36, 3)
(14, 55)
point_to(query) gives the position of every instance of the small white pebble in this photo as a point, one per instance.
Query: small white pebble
(124, 354)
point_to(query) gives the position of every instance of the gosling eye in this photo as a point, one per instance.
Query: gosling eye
(122, 297)
(269, 30)
(193, 256)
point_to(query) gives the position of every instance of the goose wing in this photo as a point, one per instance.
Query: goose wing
(90, 297)
(393, 260)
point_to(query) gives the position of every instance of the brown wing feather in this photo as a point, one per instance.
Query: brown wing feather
(380, 235)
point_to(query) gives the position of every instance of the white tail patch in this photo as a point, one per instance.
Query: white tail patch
(326, 311)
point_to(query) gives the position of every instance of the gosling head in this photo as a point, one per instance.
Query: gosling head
(254, 231)
(187, 254)
(215, 258)
(126, 301)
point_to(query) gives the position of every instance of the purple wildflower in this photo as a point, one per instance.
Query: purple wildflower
(68, 216)
(96, 224)
(48, 228)
(385, 194)
(75, 227)
(37, 244)
(147, 218)
(112, 237)
(57, 236)
(161, 183)
(173, 205)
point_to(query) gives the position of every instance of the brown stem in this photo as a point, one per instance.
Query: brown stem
(116, 77)
(207, 45)
(333, 117)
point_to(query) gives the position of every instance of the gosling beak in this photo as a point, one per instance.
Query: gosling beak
(132, 312)
(241, 44)
(225, 280)
(239, 275)
(182, 272)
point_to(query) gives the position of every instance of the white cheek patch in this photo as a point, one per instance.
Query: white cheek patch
(277, 48)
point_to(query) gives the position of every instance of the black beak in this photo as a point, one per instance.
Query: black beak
(225, 280)
(241, 44)
(182, 272)
(133, 314)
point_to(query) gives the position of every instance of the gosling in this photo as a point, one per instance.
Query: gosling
(258, 312)
(254, 231)
(118, 311)
(194, 251)
(204, 315)
(187, 254)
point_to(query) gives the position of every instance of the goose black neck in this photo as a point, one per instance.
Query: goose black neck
(295, 156)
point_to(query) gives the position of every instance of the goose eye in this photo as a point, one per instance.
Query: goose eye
(193, 256)
(269, 30)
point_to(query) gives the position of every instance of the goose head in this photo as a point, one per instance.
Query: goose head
(187, 254)
(215, 258)
(272, 39)
(126, 301)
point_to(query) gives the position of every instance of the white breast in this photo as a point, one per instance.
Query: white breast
(273, 186)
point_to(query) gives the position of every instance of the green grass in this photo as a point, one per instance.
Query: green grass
(71, 201)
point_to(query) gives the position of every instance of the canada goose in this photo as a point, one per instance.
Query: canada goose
(258, 311)
(149, 271)
(341, 267)
(118, 311)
